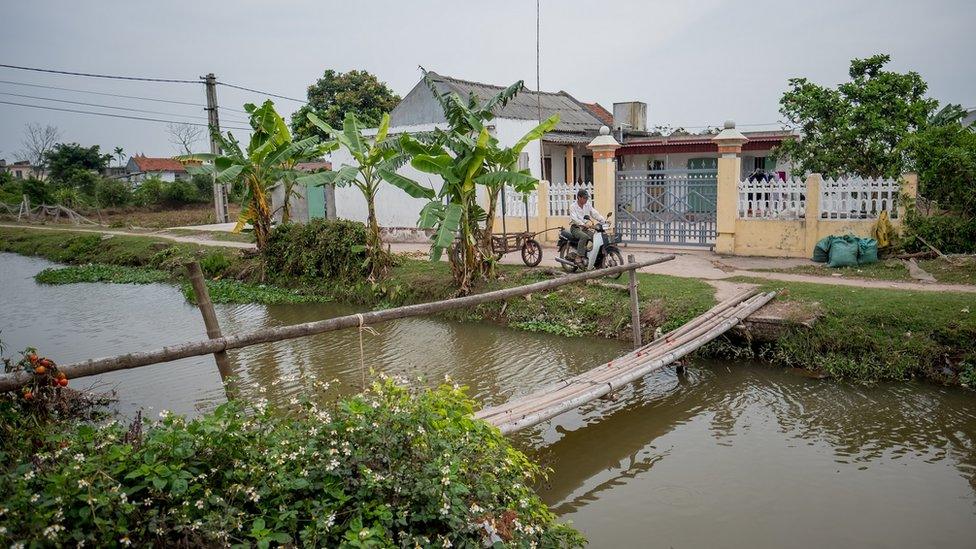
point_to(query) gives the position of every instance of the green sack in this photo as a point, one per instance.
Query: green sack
(821, 252)
(867, 251)
(843, 252)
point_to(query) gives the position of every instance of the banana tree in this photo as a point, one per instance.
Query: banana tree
(269, 158)
(466, 156)
(377, 159)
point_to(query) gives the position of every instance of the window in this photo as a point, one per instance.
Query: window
(547, 168)
(588, 169)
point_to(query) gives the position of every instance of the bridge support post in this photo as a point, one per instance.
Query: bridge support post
(635, 315)
(209, 315)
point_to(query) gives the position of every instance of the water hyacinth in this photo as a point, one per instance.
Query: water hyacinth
(390, 467)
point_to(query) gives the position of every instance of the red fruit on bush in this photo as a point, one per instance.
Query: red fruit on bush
(63, 382)
(40, 370)
(28, 395)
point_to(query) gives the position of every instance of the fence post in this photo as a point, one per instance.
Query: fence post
(209, 315)
(542, 213)
(604, 147)
(729, 142)
(811, 214)
(635, 320)
(909, 189)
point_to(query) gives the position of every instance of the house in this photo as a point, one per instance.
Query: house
(562, 157)
(22, 169)
(970, 118)
(141, 167)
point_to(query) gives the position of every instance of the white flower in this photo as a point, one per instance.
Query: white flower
(199, 504)
(34, 498)
(83, 483)
(124, 540)
(79, 458)
(162, 415)
(445, 481)
(475, 508)
(446, 543)
(364, 533)
(29, 474)
(51, 532)
(3, 530)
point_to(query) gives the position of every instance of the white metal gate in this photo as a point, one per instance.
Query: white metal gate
(667, 206)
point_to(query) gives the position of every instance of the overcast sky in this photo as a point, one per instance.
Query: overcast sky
(693, 63)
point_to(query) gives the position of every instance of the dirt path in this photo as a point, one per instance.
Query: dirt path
(687, 264)
(188, 239)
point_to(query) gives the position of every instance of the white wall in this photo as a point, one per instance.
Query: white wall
(395, 208)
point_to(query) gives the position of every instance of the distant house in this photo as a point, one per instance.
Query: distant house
(22, 169)
(140, 168)
(563, 155)
(970, 117)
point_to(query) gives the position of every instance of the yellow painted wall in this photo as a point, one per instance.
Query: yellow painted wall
(779, 238)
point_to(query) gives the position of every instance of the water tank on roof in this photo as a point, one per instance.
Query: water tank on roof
(631, 115)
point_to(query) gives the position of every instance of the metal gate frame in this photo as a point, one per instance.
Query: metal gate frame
(675, 206)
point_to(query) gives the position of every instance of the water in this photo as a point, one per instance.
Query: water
(723, 456)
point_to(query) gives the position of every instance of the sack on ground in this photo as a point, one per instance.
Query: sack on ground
(867, 251)
(821, 252)
(843, 252)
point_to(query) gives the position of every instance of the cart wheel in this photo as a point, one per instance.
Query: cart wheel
(531, 253)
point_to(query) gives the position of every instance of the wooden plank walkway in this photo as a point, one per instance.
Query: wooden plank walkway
(565, 395)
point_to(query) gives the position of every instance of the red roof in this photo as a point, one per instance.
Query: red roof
(598, 111)
(758, 141)
(147, 164)
(313, 166)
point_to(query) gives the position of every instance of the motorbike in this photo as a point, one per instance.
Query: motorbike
(602, 250)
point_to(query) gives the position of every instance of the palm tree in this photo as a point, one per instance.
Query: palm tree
(119, 153)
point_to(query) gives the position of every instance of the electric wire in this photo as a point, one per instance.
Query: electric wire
(109, 76)
(83, 103)
(110, 115)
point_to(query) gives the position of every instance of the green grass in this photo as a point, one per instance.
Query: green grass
(879, 334)
(962, 270)
(221, 236)
(233, 291)
(101, 273)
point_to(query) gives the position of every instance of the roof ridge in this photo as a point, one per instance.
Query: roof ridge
(452, 79)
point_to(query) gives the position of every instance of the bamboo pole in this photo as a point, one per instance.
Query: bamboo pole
(209, 316)
(635, 315)
(9, 382)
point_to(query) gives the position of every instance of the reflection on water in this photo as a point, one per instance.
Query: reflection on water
(724, 455)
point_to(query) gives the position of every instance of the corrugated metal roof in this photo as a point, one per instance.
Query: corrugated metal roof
(573, 115)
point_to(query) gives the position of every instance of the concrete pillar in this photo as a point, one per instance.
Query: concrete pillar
(729, 143)
(604, 147)
(570, 165)
(909, 193)
(811, 216)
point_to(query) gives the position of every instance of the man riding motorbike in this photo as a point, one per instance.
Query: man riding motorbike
(582, 216)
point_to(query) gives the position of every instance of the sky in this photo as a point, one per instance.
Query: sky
(694, 63)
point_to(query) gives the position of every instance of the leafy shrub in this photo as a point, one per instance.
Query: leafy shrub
(179, 192)
(100, 273)
(113, 192)
(204, 186)
(950, 233)
(214, 263)
(381, 469)
(149, 192)
(331, 249)
(69, 197)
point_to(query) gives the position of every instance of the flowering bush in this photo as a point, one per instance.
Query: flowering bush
(386, 468)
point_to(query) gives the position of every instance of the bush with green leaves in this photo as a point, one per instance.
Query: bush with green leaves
(319, 249)
(386, 468)
(949, 232)
(113, 192)
(149, 192)
(180, 192)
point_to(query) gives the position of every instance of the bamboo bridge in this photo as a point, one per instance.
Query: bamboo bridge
(520, 413)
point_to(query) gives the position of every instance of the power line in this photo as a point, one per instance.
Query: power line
(261, 92)
(110, 115)
(145, 111)
(157, 99)
(110, 76)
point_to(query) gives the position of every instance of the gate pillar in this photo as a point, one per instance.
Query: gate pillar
(729, 142)
(604, 171)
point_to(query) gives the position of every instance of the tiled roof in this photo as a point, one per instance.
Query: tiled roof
(313, 166)
(574, 116)
(758, 141)
(603, 114)
(147, 164)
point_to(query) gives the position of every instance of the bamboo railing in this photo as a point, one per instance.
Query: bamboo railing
(219, 345)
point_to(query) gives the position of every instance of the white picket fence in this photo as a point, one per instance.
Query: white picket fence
(515, 203)
(561, 195)
(772, 199)
(858, 198)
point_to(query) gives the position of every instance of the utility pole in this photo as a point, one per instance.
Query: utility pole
(219, 189)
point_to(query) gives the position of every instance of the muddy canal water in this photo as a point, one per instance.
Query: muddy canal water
(727, 455)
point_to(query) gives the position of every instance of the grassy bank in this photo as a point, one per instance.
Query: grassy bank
(578, 310)
(960, 270)
(866, 334)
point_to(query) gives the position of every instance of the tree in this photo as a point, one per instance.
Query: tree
(856, 128)
(944, 156)
(65, 159)
(336, 94)
(37, 142)
(183, 137)
(120, 154)
(465, 156)
(376, 161)
(270, 157)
